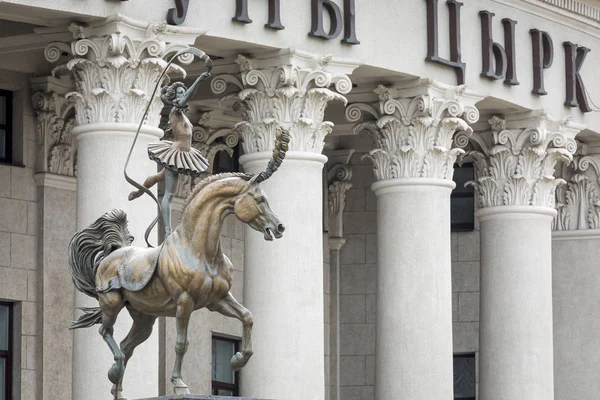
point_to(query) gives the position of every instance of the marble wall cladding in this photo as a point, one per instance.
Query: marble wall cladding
(358, 288)
(19, 249)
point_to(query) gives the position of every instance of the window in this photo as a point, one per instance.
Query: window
(462, 200)
(5, 351)
(464, 376)
(224, 163)
(225, 381)
(5, 126)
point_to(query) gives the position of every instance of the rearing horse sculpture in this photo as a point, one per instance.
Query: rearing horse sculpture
(187, 273)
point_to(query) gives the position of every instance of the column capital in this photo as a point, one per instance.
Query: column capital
(516, 156)
(56, 150)
(578, 202)
(288, 89)
(339, 176)
(412, 127)
(115, 65)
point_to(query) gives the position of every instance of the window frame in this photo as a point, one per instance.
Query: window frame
(465, 226)
(8, 126)
(7, 354)
(216, 385)
(474, 357)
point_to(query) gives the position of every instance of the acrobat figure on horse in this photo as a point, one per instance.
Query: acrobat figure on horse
(188, 272)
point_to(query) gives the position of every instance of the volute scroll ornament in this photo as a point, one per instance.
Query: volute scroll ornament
(413, 135)
(292, 96)
(516, 158)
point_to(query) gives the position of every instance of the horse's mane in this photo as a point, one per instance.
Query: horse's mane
(210, 179)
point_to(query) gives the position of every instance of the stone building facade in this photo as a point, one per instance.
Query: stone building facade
(391, 281)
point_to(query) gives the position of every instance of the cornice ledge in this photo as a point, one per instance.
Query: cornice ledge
(543, 9)
(581, 234)
(133, 28)
(56, 181)
(304, 59)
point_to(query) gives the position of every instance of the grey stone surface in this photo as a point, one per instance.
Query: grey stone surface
(468, 306)
(4, 181)
(468, 246)
(22, 185)
(13, 284)
(13, 215)
(358, 279)
(360, 222)
(353, 373)
(23, 251)
(353, 251)
(5, 249)
(357, 393)
(465, 276)
(352, 309)
(465, 337)
(198, 397)
(355, 200)
(357, 339)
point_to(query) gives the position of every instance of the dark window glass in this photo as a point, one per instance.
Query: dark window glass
(5, 126)
(462, 201)
(225, 381)
(5, 350)
(225, 163)
(464, 377)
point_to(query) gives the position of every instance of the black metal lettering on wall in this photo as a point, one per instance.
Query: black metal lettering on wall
(498, 62)
(336, 24)
(176, 16)
(432, 38)
(274, 22)
(543, 56)
(576, 93)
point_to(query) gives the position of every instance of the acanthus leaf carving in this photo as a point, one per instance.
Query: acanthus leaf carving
(55, 122)
(115, 73)
(516, 158)
(290, 96)
(578, 202)
(414, 136)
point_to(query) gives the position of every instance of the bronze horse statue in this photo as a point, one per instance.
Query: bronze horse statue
(188, 272)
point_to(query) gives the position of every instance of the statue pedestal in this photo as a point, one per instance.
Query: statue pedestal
(198, 397)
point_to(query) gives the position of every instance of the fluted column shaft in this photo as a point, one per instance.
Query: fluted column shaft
(515, 163)
(413, 133)
(115, 65)
(283, 280)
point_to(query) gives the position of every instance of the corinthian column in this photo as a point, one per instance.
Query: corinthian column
(283, 281)
(413, 128)
(515, 163)
(115, 65)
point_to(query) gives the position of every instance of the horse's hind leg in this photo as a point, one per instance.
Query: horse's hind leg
(231, 308)
(140, 331)
(111, 304)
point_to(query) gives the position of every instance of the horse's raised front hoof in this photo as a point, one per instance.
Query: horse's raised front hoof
(115, 373)
(238, 361)
(179, 387)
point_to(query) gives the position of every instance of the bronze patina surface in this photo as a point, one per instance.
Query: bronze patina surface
(187, 273)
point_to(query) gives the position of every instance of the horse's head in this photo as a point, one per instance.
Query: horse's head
(253, 208)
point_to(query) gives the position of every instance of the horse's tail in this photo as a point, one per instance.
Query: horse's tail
(87, 249)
